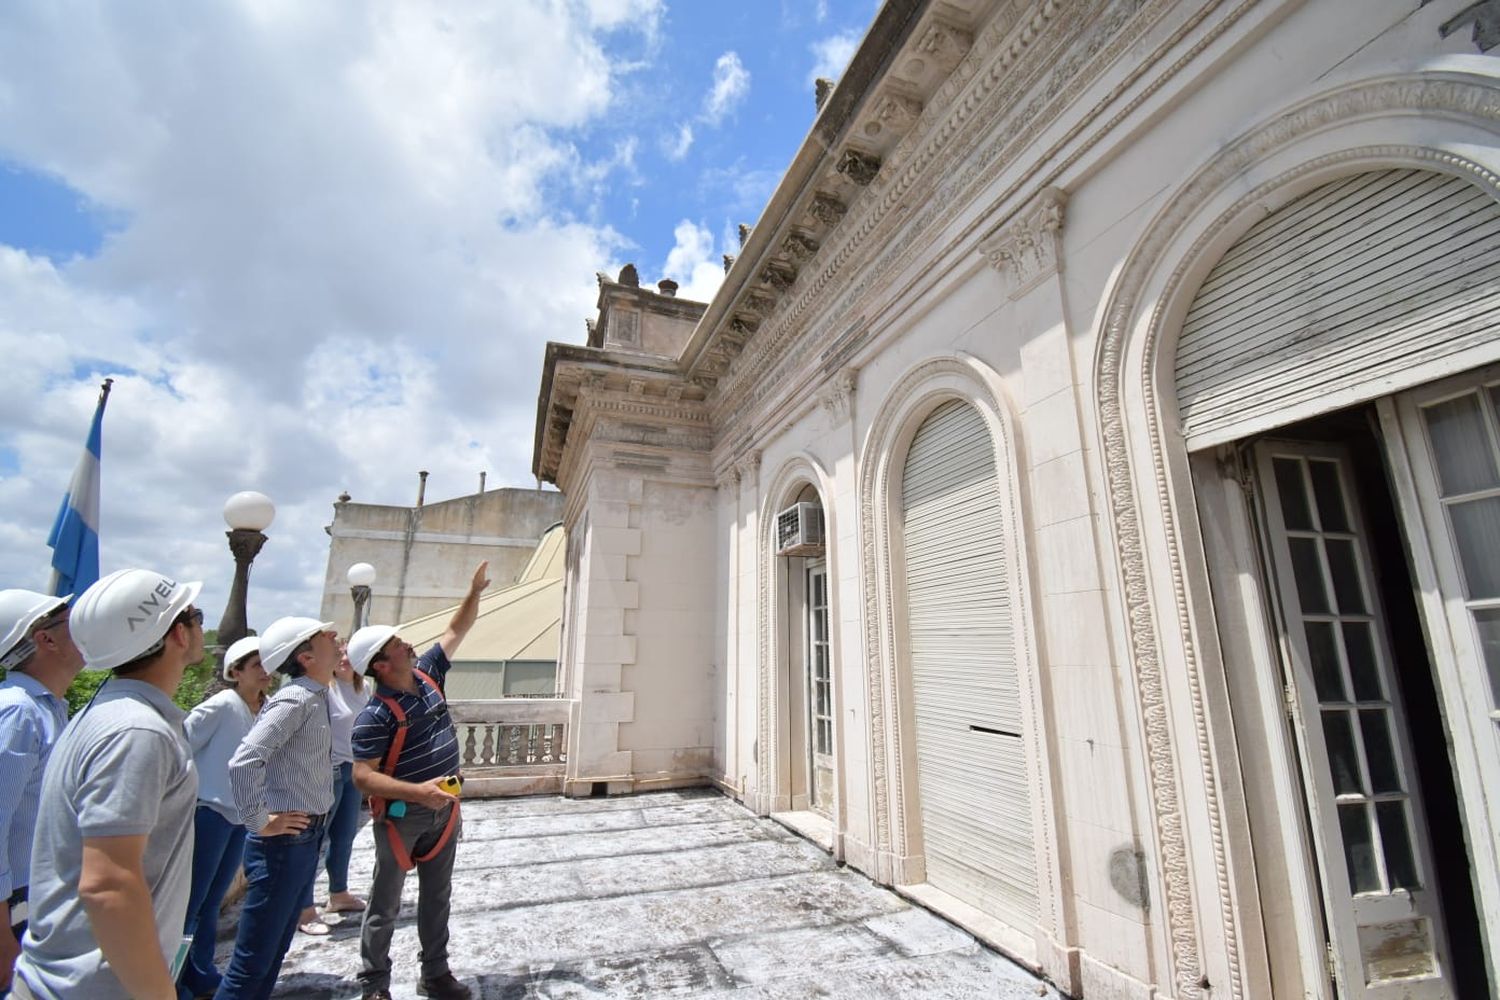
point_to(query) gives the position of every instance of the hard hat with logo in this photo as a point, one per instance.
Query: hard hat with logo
(238, 651)
(286, 634)
(364, 644)
(126, 615)
(20, 610)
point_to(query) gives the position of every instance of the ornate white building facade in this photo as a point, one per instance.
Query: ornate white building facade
(1080, 506)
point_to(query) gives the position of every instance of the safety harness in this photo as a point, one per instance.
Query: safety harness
(388, 766)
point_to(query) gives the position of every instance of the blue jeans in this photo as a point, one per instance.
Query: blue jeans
(278, 871)
(218, 846)
(343, 824)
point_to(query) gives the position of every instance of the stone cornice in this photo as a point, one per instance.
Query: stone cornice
(981, 120)
(580, 384)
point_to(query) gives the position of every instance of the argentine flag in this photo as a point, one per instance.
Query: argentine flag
(75, 534)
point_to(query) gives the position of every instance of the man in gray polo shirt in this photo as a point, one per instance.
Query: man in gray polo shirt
(112, 860)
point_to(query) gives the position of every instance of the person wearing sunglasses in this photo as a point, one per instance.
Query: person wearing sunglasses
(40, 660)
(111, 864)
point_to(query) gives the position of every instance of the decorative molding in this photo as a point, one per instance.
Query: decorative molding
(827, 209)
(799, 245)
(896, 112)
(859, 167)
(778, 275)
(837, 397)
(1027, 249)
(945, 44)
(1479, 99)
(748, 465)
(870, 251)
(939, 378)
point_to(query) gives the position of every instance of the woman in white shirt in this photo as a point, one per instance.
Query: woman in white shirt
(214, 730)
(346, 697)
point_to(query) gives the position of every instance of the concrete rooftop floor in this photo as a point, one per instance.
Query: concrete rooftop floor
(668, 894)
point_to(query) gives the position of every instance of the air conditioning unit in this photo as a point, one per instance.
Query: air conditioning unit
(799, 530)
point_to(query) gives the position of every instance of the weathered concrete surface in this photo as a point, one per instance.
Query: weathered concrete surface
(672, 894)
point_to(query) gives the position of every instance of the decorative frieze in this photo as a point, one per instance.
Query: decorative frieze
(1026, 250)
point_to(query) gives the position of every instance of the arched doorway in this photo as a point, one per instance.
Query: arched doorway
(806, 767)
(1324, 368)
(972, 780)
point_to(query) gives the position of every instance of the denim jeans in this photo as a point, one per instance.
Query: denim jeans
(343, 824)
(278, 871)
(218, 846)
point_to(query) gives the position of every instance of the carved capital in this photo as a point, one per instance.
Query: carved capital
(748, 465)
(837, 396)
(1025, 250)
(860, 168)
(728, 479)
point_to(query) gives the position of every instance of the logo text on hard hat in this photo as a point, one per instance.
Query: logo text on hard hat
(163, 589)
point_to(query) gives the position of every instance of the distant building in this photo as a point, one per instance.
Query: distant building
(512, 649)
(425, 555)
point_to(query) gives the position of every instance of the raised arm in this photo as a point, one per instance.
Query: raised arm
(468, 611)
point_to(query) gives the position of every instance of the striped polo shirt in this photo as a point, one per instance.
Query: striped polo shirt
(431, 747)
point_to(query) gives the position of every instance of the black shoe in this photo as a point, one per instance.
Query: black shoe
(443, 987)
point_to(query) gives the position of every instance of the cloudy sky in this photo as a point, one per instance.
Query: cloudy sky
(319, 246)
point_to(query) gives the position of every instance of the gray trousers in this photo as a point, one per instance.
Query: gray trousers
(420, 829)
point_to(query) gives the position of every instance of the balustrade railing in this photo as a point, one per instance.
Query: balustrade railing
(521, 736)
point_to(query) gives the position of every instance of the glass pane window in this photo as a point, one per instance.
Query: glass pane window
(1380, 754)
(1461, 446)
(1332, 515)
(1323, 650)
(1476, 532)
(1487, 620)
(1364, 669)
(1343, 566)
(1395, 836)
(1343, 757)
(1359, 849)
(1289, 486)
(1309, 569)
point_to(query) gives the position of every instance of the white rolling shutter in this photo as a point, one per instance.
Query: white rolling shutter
(971, 763)
(1362, 287)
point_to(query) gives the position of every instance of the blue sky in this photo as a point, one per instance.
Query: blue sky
(321, 246)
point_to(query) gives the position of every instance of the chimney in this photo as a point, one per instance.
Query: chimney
(481, 480)
(421, 488)
(667, 286)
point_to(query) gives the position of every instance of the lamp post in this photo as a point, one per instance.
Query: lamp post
(248, 515)
(361, 576)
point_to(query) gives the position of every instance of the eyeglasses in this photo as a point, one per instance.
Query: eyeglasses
(54, 623)
(192, 616)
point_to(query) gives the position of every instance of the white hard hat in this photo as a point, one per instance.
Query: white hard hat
(364, 644)
(19, 611)
(237, 651)
(126, 616)
(286, 634)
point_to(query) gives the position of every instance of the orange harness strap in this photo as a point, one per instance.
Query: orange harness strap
(388, 766)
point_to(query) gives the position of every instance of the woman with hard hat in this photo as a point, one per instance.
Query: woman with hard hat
(346, 696)
(214, 730)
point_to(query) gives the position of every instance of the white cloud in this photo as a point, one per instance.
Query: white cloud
(693, 262)
(676, 147)
(731, 84)
(831, 55)
(337, 261)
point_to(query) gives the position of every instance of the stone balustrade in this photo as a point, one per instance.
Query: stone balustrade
(512, 746)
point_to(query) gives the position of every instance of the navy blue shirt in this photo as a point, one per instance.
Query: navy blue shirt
(431, 747)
